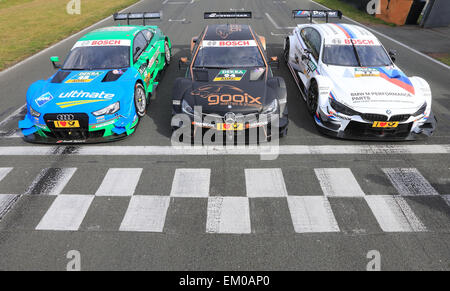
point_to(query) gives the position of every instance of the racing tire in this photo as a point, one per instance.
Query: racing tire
(167, 53)
(287, 51)
(140, 100)
(312, 98)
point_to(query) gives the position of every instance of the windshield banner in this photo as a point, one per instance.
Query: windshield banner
(107, 42)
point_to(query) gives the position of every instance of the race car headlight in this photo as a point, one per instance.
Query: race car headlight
(111, 109)
(34, 112)
(341, 108)
(187, 108)
(271, 108)
(421, 110)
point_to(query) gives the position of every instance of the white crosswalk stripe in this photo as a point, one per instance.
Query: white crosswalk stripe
(265, 183)
(228, 215)
(66, 213)
(119, 182)
(146, 214)
(312, 214)
(4, 172)
(191, 183)
(338, 182)
(393, 214)
(409, 182)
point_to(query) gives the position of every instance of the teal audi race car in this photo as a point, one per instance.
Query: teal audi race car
(102, 89)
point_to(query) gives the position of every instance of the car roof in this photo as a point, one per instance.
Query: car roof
(114, 32)
(342, 30)
(228, 32)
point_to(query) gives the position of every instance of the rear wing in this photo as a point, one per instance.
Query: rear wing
(317, 14)
(137, 16)
(227, 15)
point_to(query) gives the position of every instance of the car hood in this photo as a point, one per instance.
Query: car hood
(373, 88)
(77, 91)
(247, 95)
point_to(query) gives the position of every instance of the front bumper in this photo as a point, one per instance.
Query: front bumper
(363, 130)
(105, 131)
(263, 130)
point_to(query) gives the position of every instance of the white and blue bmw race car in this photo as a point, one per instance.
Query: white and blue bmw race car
(352, 86)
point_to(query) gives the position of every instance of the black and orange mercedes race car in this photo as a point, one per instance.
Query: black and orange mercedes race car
(229, 86)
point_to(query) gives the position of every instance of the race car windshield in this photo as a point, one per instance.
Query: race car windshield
(98, 58)
(355, 56)
(236, 57)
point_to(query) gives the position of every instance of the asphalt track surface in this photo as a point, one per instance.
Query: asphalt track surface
(321, 205)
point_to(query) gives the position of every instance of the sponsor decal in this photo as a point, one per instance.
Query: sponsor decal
(385, 97)
(67, 124)
(229, 43)
(90, 95)
(349, 41)
(104, 124)
(366, 72)
(71, 141)
(94, 96)
(230, 75)
(385, 124)
(44, 99)
(230, 126)
(117, 42)
(215, 94)
(84, 77)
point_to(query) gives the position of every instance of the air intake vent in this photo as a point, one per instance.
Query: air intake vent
(113, 75)
(60, 77)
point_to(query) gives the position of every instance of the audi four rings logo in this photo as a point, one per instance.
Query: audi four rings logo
(65, 117)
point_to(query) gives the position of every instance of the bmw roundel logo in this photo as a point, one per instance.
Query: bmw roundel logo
(388, 111)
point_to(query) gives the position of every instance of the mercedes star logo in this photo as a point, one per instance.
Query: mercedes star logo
(230, 117)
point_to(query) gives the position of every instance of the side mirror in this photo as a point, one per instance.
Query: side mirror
(393, 55)
(183, 63)
(55, 61)
(194, 41)
(274, 62)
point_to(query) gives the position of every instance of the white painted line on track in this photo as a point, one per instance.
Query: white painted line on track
(13, 115)
(146, 214)
(312, 214)
(390, 38)
(409, 182)
(119, 182)
(447, 199)
(2, 73)
(228, 215)
(394, 214)
(6, 200)
(4, 172)
(338, 183)
(265, 183)
(51, 181)
(66, 213)
(220, 150)
(191, 183)
(276, 25)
